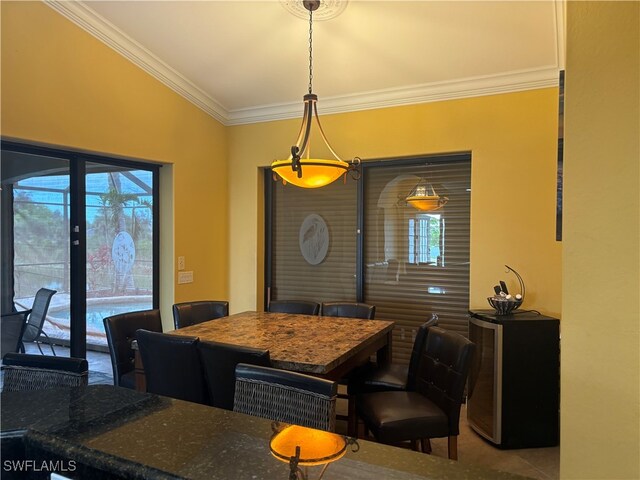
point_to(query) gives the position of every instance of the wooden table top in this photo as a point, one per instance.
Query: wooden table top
(302, 343)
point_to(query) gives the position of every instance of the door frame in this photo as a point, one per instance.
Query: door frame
(77, 218)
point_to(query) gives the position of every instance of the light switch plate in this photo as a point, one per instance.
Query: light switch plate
(180, 263)
(185, 277)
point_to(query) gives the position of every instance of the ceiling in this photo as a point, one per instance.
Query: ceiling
(247, 61)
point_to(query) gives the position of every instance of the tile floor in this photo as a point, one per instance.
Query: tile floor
(536, 463)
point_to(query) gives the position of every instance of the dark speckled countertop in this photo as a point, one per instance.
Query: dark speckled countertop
(302, 343)
(111, 432)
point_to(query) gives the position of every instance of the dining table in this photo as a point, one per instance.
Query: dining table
(328, 347)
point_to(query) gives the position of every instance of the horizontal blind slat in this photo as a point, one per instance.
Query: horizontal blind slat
(409, 274)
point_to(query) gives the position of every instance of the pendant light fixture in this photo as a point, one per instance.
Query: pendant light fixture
(301, 168)
(423, 197)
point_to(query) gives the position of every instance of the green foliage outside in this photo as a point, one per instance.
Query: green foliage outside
(41, 236)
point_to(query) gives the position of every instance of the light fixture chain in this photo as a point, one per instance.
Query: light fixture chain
(310, 51)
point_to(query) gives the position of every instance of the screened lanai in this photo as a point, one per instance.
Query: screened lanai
(79, 227)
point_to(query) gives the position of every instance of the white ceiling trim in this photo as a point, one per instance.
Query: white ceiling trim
(394, 97)
(508, 82)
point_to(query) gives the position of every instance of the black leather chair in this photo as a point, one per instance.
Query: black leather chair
(121, 331)
(391, 377)
(172, 365)
(433, 409)
(191, 313)
(38, 372)
(285, 396)
(350, 310)
(219, 362)
(294, 306)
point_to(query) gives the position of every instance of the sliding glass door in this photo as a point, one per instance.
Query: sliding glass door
(36, 236)
(84, 226)
(361, 241)
(119, 244)
(313, 237)
(417, 262)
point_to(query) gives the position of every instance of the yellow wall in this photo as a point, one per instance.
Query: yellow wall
(600, 400)
(513, 140)
(61, 86)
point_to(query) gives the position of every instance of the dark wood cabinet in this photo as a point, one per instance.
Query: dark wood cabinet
(514, 384)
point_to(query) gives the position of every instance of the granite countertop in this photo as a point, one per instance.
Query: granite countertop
(111, 432)
(302, 343)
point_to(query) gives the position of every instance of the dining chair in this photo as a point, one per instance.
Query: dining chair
(433, 409)
(121, 331)
(11, 330)
(33, 330)
(192, 313)
(285, 396)
(348, 309)
(219, 362)
(294, 306)
(172, 365)
(393, 376)
(38, 372)
(390, 377)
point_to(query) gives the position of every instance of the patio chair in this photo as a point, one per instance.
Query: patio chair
(38, 372)
(33, 331)
(12, 325)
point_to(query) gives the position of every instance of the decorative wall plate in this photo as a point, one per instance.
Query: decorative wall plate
(314, 239)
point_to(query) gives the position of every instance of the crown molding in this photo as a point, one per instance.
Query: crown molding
(393, 97)
(112, 36)
(509, 82)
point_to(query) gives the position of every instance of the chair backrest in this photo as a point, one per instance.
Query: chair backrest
(418, 347)
(12, 326)
(219, 362)
(38, 372)
(350, 310)
(442, 372)
(191, 313)
(286, 396)
(172, 365)
(121, 331)
(33, 328)
(294, 306)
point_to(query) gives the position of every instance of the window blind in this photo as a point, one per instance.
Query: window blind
(314, 242)
(417, 263)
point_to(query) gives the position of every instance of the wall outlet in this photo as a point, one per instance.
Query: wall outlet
(185, 277)
(180, 263)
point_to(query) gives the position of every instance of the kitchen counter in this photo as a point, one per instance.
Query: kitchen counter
(104, 432)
